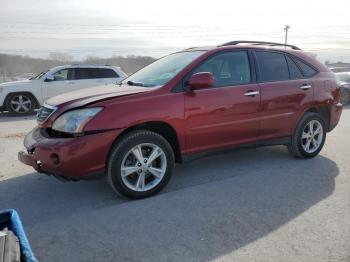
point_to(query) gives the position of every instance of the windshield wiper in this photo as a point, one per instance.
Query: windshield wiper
(132, 83)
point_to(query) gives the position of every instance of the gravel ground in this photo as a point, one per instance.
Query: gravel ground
(247, 205)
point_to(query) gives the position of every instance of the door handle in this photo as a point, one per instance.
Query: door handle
(251, 93)
(99, 81)
(71, 82)
(305, 87)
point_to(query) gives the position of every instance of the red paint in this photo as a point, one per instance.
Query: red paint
(201, 80)
(205, 119)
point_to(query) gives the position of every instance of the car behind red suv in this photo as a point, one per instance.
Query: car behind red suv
(194, 101)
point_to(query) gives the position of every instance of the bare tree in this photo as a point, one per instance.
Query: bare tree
(61, 57)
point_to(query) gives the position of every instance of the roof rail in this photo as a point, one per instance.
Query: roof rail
(260, 43)
(190, 48)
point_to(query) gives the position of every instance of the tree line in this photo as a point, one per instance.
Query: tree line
(14, 65)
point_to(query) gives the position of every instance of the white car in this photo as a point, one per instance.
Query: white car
(22, 97)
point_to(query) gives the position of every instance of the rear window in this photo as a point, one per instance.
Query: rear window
(307, 70)
(273, 66)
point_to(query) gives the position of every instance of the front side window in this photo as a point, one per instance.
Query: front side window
(61, 75)
(163, 70)
(229, 68)
(273, 66)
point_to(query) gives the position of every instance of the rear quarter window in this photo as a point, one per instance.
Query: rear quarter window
(307, 70)
(294, 70)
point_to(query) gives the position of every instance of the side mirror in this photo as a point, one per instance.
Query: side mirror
(201, 80)
(49, 78)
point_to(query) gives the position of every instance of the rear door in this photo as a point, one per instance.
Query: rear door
(227, 113)
(285, 92)
(85, 77)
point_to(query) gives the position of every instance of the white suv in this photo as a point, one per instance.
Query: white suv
(22, 97)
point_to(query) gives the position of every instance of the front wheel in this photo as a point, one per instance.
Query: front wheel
(140, 164)
(309, 136)
(20, 104)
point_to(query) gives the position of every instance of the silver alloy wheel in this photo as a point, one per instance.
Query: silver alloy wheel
(312, 136)
(143, 167)
(21, 104)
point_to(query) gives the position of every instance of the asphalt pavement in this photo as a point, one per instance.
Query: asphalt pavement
(247, 205)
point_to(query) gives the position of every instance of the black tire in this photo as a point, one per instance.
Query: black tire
(120, 150)
(345, 97)
(296, 147)
(28, 97)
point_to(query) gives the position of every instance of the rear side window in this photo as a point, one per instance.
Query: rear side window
(94, 73)
(273, 66)
(294, 71)
(81, 73)
(307, 70)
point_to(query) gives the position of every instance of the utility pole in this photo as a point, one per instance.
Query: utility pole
(286, 28)
(3, 75)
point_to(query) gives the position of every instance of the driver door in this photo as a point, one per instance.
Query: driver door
(227, 113)
(62, 82)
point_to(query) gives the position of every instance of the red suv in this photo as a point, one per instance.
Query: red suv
(188, 103)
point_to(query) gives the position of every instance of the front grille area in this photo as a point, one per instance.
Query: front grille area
(44, 113)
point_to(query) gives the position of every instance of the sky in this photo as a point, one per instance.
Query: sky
(157, 27)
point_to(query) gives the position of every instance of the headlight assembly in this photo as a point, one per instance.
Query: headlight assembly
(74, 121)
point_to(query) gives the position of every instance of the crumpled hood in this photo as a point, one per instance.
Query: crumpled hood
(94, 94)
(13, 83)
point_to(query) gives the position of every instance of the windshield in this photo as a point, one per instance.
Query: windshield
(38, 76)
(345, 77)
(163, 70)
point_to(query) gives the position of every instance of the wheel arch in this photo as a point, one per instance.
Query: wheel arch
(162, 128)
(37, 104)
(323, 110)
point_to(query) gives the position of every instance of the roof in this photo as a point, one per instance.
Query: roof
(84, 66)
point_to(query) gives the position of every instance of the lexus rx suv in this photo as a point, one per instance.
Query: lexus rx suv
(184, 105)
(22, 97)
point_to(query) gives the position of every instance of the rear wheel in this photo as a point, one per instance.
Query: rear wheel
(140, 165)
(309, 136)
(20, 104)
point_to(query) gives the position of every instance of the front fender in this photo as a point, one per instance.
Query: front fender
(35, 91)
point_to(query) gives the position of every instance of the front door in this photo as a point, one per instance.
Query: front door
(62, 82)
(227, 113)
